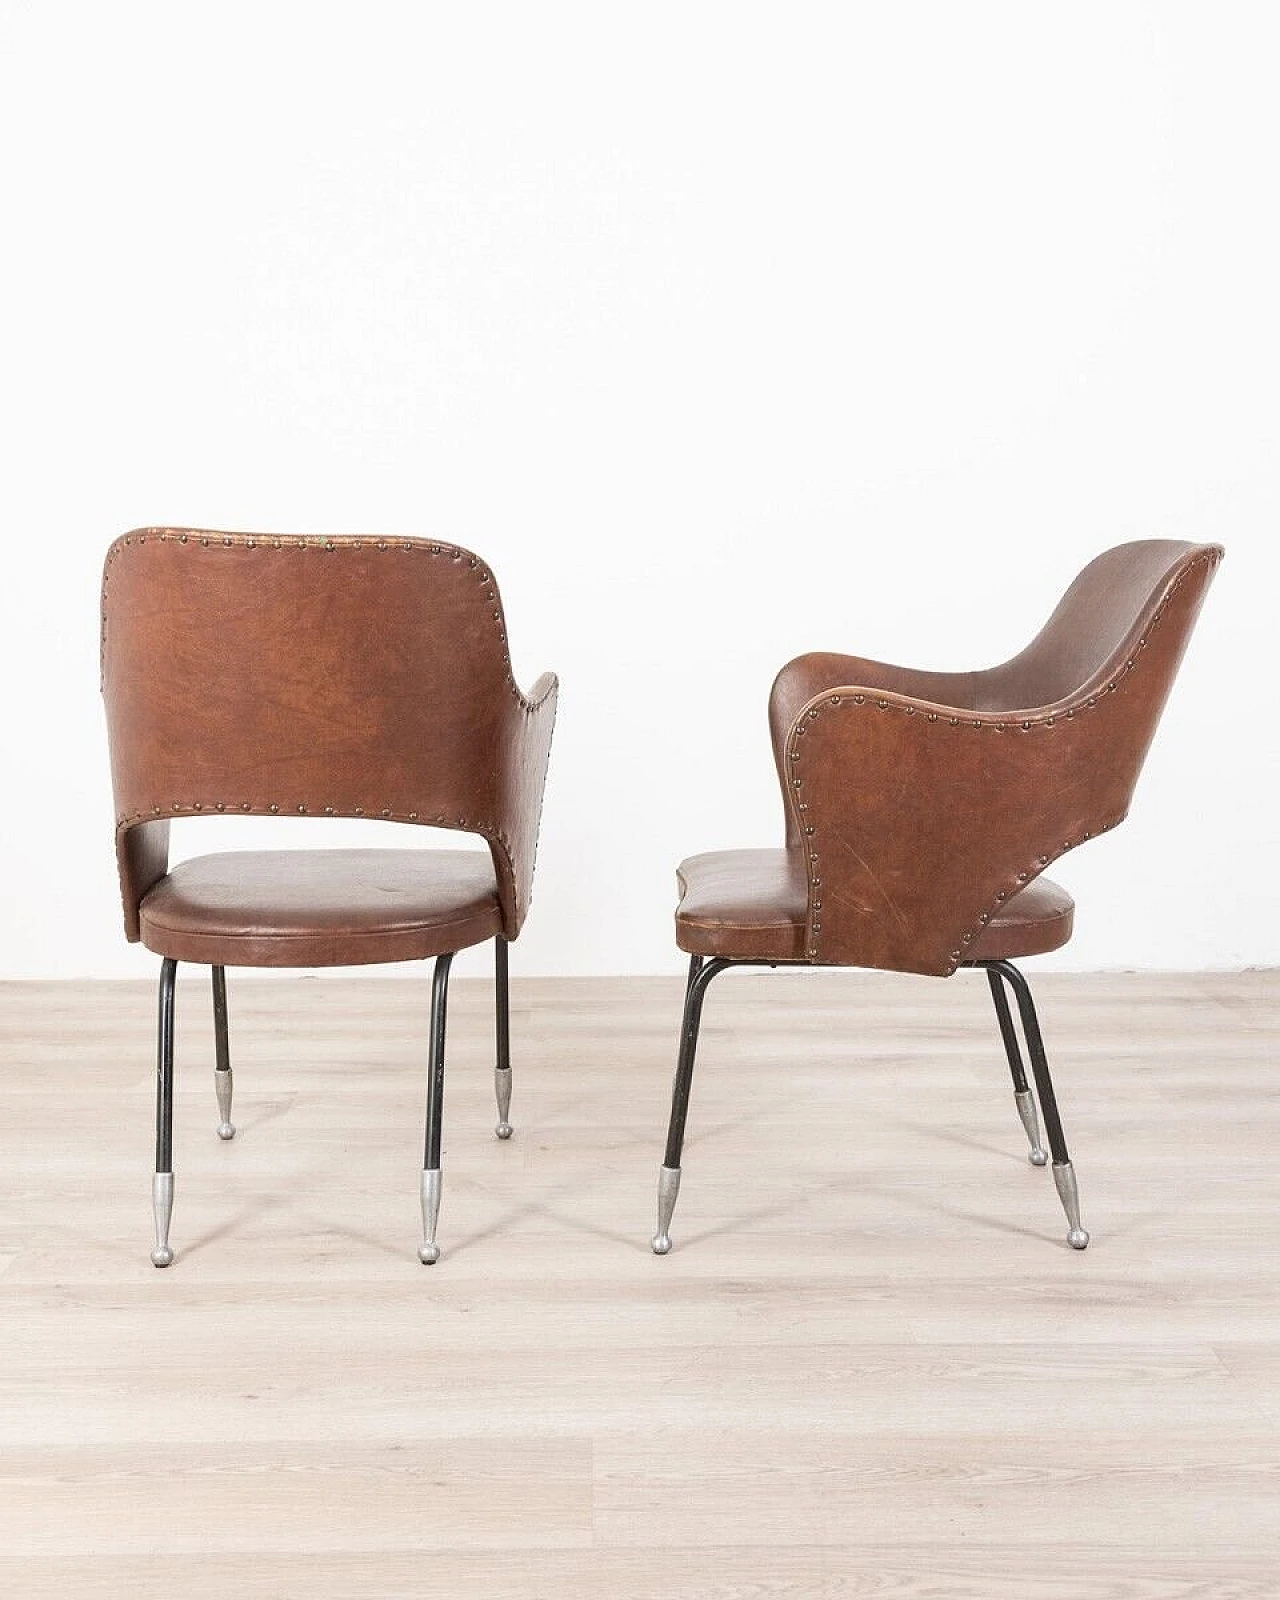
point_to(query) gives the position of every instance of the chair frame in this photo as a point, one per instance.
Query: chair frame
(162, 1182)
(702, 969)
(473, 760)
(1034, 756)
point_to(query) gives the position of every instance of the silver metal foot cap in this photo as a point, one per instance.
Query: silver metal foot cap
(429, 1250)
(668, 1189)
(1037, 1155)
(1065, 1179)
(502, 1093)
(222, 1083)
(162, 1205)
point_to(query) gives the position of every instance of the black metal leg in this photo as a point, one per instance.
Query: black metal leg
(1022, 1097)
(162, 1183)
(1063, 1173)
(222, 1055)
(429, 1250)
(502, 1071)
(700, 975)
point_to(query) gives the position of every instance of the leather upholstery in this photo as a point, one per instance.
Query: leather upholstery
(1032, 922)
(919, 804)
(318, 908)
(746, 904)
(352, 677)
(752, 905)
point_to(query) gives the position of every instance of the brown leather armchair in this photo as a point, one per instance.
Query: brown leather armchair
(258, 675)
(922, 807)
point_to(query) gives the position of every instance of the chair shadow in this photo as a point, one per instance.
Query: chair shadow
(933, 1131)
(229, 1227)
(985, 1221)
(267, 1111)
(545, 1208)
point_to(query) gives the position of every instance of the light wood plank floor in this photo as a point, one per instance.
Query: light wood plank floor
(870, 1366)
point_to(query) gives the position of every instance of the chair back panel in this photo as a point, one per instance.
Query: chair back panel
(260, 675)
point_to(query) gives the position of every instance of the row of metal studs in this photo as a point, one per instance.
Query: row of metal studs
(175, 807)
(305, 542)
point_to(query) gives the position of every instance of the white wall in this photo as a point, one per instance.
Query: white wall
(722, 332)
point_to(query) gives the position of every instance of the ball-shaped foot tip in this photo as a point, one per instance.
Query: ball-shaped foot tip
(161, 1256)
(504, 1130)
(661, 1243)
(428, 1254)
(226, 1130)
(1039, 1158)
(1077, 1238)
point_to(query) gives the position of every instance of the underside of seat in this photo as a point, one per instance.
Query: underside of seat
(321, 908)
(751, 905)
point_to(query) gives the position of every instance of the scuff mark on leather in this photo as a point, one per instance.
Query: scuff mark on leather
(890, 903)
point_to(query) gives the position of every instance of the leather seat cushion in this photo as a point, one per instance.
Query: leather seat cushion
(749, 904)
(752, 905)
(321, 908)
(1036, 919)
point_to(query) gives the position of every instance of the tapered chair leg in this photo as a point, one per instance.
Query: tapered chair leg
(222, 1055)
(700, 975)
(162, 1183)
(1022, 1096)
(429, 1250)
(502, 1072)
(1064, 1176)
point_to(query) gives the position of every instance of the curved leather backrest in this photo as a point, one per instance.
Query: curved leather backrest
(1094, 627)
(922, 801)
(352, 677)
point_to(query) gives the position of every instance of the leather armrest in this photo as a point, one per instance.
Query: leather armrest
(919, 814)
(521, 778)
(918, 819)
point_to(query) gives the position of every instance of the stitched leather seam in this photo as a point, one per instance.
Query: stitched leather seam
(996, 924)
(840, 701)
(199, 808)
(732, 924)
(403, 930)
